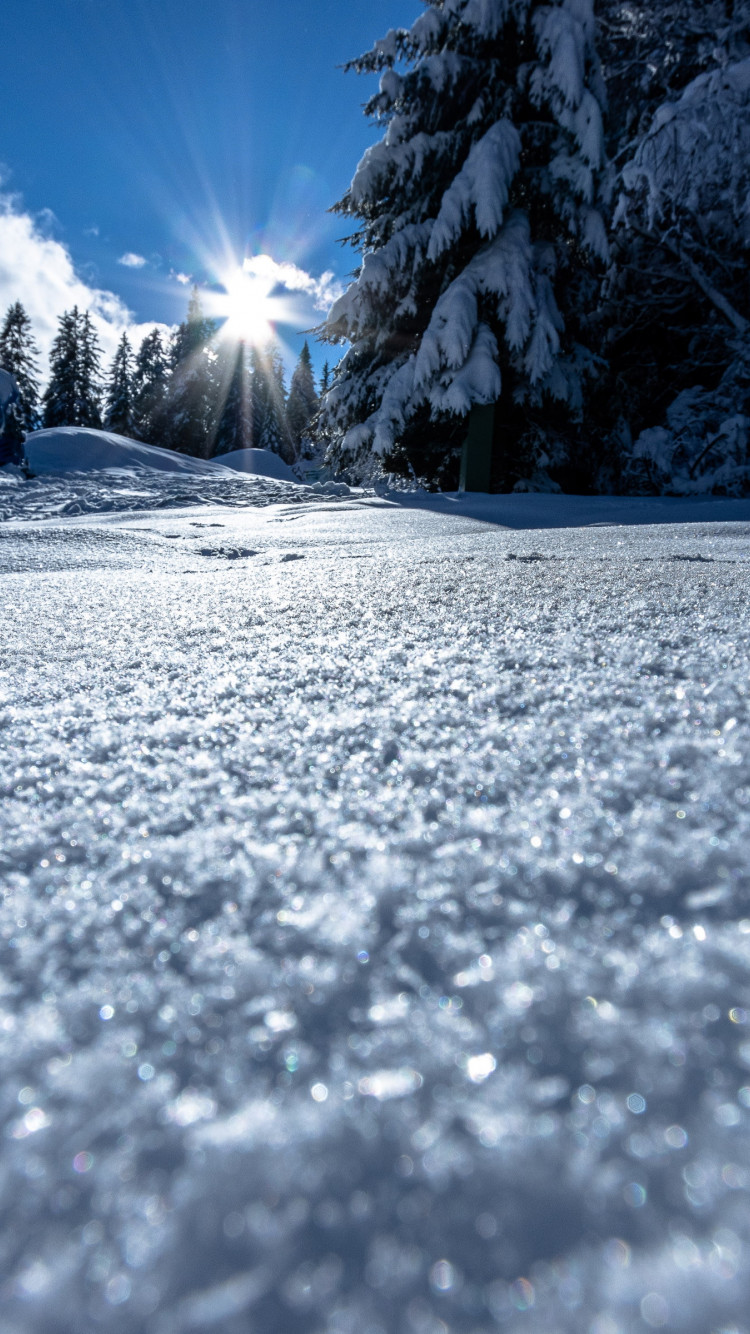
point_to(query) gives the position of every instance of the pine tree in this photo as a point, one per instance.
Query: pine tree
(61, 395)
(12, 435)
(72, 396)
(89, 375)
(278, 389)
(303, 400)
(235, 421)
(18, 354)
(325, 378)
(270, 430)
(475, 216)
(190, 406)
(150, 378)
(119, 414)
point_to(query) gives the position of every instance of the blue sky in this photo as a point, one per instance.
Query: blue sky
(173, 131)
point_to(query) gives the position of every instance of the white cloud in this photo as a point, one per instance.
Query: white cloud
(132, 261)
(323, 290)
(38, 271)
(183, 278)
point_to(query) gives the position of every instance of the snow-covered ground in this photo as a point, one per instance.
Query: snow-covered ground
(81, 471)
(376, 930)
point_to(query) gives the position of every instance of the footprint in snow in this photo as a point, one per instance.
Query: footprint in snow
(227, 553)
(533, 555)
(292, 555)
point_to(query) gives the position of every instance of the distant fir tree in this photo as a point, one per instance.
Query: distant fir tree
(190, 405)
(119, 415)
(270, 430)
(18, 354)
(234, 429)
(478, 223)
(72, 394)
(89, 375)
(150, 376)
(302, 403)
(281, 400)
(325, 379)
(13, 430)
(61, 395)
(11, 433)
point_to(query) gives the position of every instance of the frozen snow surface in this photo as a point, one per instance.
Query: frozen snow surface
(65, 494)
(375, 932)
(262, 462)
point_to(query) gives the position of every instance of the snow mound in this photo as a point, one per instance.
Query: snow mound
(82, 449)
(262, 462)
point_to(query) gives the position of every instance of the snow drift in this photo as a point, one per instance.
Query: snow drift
(261, 462)
(81, 449)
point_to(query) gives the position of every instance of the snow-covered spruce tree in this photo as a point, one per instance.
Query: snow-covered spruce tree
(119, 415)
(651, 49)
(150, 376)
(72, 396)
(302, 403)
(479, 232)
(190, 406)
(677, 300)
(234, 429)
(270, 430)
(18, 354)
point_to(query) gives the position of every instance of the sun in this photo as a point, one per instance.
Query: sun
(252, 299)
(248, 308)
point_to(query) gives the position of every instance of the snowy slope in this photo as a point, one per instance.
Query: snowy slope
(80, 449)
(375, 940)
(262, 462)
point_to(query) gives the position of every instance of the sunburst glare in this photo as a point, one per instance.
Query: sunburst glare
(249, 307)
(252, 302)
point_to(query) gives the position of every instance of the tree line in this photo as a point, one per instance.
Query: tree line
(194, 392)
(554, 223)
